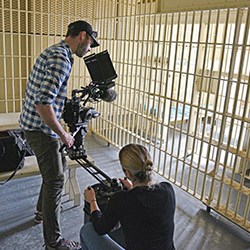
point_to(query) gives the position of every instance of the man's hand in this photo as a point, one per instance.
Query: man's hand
(67, 139)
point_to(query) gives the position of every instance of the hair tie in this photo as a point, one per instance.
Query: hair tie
(148, 165)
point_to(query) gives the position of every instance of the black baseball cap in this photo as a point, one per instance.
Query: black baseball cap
(76, 27)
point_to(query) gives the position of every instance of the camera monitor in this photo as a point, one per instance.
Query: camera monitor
(100, 67)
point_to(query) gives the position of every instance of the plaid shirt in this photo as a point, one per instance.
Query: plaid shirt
(47, 85)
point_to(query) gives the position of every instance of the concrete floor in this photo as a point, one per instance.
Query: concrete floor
(194, 227)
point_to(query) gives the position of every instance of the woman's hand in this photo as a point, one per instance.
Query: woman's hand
(89, 194)
(126, 183)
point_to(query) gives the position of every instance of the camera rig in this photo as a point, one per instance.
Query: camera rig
(77, 116)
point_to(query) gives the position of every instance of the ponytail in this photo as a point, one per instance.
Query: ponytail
(137, 160)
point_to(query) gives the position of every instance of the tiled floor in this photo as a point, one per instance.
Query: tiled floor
(195, 228)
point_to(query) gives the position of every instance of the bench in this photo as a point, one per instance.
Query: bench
(10, 121)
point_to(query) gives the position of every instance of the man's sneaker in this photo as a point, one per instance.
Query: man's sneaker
(38, 218)
(65, 245)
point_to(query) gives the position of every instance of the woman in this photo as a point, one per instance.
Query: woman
(145, 210)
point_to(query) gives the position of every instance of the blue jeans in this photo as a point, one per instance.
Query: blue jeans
(52, 165)
(90, 240)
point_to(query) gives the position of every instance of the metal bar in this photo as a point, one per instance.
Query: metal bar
(180, 44)
(191, 127)
(246, 34)
(132, 81)
(186, 97)
(12, 66)
(167, 171)
(207, 105)
(165, 109)
(19, 56)
(158, 21)
(4, 61)
(227, 101)
(217, 98)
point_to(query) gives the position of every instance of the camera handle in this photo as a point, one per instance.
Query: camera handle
(74, 134)
(108, 184)
(105, 187)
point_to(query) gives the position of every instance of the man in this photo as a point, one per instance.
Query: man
(40, 120)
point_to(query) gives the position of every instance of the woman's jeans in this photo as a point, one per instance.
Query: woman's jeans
(52, 165)
(90, 240)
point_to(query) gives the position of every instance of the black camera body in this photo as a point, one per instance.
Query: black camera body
(75, 115)
(103, 192)
(102, 74)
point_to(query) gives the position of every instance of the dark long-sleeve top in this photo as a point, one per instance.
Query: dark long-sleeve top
(146, 215)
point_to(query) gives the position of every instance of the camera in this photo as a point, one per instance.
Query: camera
(76, 114)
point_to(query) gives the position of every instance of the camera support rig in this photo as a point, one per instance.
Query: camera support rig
(77, 116)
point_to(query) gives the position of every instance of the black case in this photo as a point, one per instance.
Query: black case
(12, 150)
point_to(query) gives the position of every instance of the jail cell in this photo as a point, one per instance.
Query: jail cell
(184, 92)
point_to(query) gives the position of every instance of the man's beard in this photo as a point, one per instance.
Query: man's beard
(81, 50)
